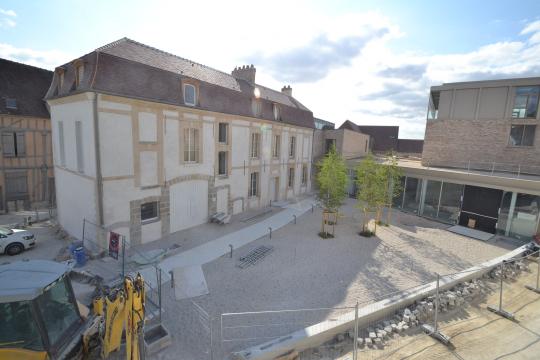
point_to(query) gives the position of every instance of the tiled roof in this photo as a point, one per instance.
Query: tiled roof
(129, 68)
(24, 86)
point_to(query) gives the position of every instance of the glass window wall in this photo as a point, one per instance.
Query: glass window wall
(525, 217)
(431, 201)
(413, 190)
(450, 204)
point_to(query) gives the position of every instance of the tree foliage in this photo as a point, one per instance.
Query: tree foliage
(332, 180)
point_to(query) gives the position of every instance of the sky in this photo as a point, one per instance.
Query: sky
(371, 62)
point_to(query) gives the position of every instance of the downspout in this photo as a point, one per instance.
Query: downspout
(99, 178)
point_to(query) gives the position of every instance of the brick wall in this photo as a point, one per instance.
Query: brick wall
(451, 142)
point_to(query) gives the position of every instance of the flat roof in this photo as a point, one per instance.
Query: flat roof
(25, 280)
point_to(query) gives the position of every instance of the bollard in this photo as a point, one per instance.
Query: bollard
(172, 278)
(270, 228)
(230, 245)
(294, 216)
(312, 207)
(355, 340)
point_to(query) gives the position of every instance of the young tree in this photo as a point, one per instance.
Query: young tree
(394, 188)
(370, 178)
(332, 182)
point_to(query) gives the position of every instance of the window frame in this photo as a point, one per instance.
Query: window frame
(253, 189)
(226, 127)
(79, 146)
(226, 165)
(189, 142)
(304, 175)
(255, 151)
(292, 147)
(152, 218)
(522, 135)
(276, 110)
(276, 146)
(18, 144)
(529, 94)
(194, 94)
(290, 178)
(61, 143)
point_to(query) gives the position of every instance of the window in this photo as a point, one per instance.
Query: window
(149, 211)
(292, 147)
(256, 107)
(277, 112)
(276, 146)
(290, 180)
(11, 104)
(522, 135)
(19, 327)
(61, 143)
(190, 95)
(58, 311)
(433, 107)
(253, 184)
(526, 102)
(80, 74)
(329, 144)
(222, 163)
(222, 133)
(79, 144)
(60, 80)
(255, 145)
(304, 174)
(13, 144)
(191, 145)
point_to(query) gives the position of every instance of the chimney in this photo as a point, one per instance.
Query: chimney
(287, 90)
(246, 72)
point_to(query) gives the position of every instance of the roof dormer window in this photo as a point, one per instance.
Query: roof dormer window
(60, 79)
(190, 95)
(79, 74)
(277, 112)
(11, 104)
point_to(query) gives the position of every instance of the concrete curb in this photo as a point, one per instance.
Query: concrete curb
(317, 334)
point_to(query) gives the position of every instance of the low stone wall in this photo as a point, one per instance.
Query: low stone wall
(318, 334)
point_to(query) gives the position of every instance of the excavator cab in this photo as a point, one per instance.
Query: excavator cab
(38, 310)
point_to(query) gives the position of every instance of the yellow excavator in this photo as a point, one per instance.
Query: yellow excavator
(41, 319)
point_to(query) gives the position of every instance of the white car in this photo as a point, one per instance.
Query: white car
(15, 241)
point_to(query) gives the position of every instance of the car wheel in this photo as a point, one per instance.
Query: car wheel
(14, 249)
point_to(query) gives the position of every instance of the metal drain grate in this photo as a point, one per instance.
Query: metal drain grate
(254, 256)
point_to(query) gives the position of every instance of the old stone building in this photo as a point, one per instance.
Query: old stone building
(147, 143)
(26, 167)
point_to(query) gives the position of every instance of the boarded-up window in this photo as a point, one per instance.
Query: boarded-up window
(13, 144)
(61, 143)
(79, 144)
(16, 185)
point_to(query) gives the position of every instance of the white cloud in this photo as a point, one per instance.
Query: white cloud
(44, 59)
(6, 18)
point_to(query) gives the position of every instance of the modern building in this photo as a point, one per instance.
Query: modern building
(349, 144)
(480, 164)
(386, 138)
(147, 143)
(26, 166)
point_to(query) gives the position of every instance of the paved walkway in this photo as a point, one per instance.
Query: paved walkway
(214, 249)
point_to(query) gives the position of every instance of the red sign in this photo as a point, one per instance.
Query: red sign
(114, 245)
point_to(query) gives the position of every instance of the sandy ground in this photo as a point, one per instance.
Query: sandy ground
(305, 272)
(475, 333)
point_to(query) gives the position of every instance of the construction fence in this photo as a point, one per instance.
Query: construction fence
(397, 324)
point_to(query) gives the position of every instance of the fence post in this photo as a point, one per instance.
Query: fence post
(435, 320)
(355, 340)
(159, 292)
(499, 310)
(123, 256)
(537, 288)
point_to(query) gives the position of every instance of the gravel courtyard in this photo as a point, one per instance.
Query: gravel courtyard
(305, 272)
